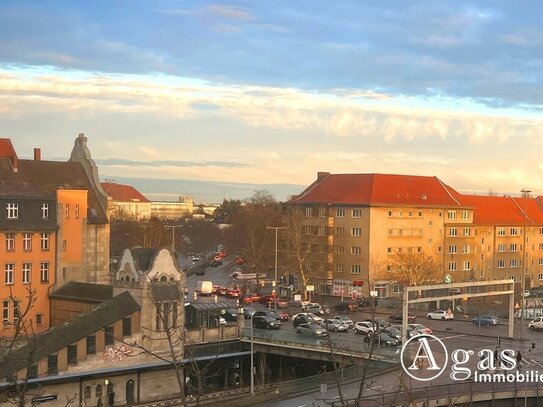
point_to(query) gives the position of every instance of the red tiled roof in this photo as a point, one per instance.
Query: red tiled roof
(6, 148)
(504, 210)
(379, 189)
(123, 193)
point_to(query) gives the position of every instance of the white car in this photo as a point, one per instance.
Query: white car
(536, 323)
(440, 314)
(314, 317)
(365, 327)
(344, 320)
(196, 258)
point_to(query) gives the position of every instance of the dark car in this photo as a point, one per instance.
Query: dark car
(382, 338)
(394, 332)
(485, 320)
(302, 319)
(270, 314)
(345, 306)
(264, 322)
(399, 318)
(216, 263)
(229, 314)
(248, 312)
(201, 272)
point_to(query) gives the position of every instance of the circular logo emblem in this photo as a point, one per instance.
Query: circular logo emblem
(424, 357)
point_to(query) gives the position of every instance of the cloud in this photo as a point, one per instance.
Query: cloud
(230, 12)
(111, 162)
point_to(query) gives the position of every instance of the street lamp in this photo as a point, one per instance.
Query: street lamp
(525, 193)
(275, 278)
(173, 227)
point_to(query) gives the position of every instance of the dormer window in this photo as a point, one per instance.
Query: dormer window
(45, 211)
(13, 210)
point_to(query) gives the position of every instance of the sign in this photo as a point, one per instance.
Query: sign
(448, 279)
(373, 293)
(310, 288)
(248, 276)
(297, 297)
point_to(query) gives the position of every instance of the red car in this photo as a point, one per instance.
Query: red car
(240, 261)
(233, 293)
(283, 315)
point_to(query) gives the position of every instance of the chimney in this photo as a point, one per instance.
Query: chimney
(15, 163)
(321, 175)
(37, 154)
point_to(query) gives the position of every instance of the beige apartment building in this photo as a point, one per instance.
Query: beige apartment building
(183, 208)
(354, 224)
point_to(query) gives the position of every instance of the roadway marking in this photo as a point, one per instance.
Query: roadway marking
(449, 337)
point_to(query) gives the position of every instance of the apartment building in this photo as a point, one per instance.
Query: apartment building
(53, 228)
(359, 222)
(172, 210)
(127, 200)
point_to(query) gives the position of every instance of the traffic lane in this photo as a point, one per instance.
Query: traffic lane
(219, 275)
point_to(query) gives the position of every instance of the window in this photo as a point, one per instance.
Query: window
(466, 265)
(390, 214)
(514, 231)
(465, 215)
(356, 250)
(13, 210)
(340, 250)
(356, 213)
(64, 245)
(419, 249)
(10, 242)
(340, 268)
(356, 269)
(513, 247)
(87, 392)
(465, 249)
(322, 212)
(67, 211)
(501, 264)
(400, 214)
(340, 212)
(501, 231)
(39, 319)
(44, 272)
(44, 210)
(439, 249)
(9, 273)
(91, 345)
(44, 239)
(340, 231)
(452, 249)
(52, 365)
(389, 250)
(308, 212)
(72, 354)
(501, 247)
(420, 214)
(127, 323)
(356, 232)
(540, 246)
(27, 272)
(513, 263)
(453, 232)
(77, 211)
(430, 223)
(541, 231)
(5, 312)
(452, 266)
(467, 231)
(27, 242)
(451, 214)
(109, 336)
(540, 276)
(541, 261)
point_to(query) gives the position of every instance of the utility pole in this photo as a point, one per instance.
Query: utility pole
(275, 277)
(173, 227)
(525, 192)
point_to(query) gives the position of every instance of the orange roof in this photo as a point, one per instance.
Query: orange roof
(6, 148)
(123, 193)
(379, 189)
(504, 210)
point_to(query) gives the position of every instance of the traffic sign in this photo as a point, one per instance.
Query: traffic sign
(448, 279)
(248, 276)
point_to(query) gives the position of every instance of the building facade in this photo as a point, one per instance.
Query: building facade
(127, 201)
(359, 223)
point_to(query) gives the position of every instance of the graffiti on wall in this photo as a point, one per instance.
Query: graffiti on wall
(117, 354)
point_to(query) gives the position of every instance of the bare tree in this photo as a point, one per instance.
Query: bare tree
(412, 269)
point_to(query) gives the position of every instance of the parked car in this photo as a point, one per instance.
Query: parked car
(335, 325)
(229, 314)
(216, 263)
(248, 312)
(399, 318)
(382, 338)
(365, 327)
(488, 320)
(346, 307)
(265, 322)
(308, 305)
(421, 329)
(283, 315)
(297, 304)
(536, 324)
(276, 303)
(344, 320)
(394, 332)
(410, 330)
(316, 309)
(270, 314)
(440, 314)
(201, 271)
(221, 321)
(311, 329)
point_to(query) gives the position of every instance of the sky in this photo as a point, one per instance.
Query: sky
(270, 92)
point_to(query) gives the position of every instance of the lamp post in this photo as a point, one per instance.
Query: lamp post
(525, 193)
(275, 277)
(252, 353)
(173, 227)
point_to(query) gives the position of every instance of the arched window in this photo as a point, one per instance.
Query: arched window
(98, 391)
(163, 278)
(87, 392)
(122, 278)
(172, 279)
